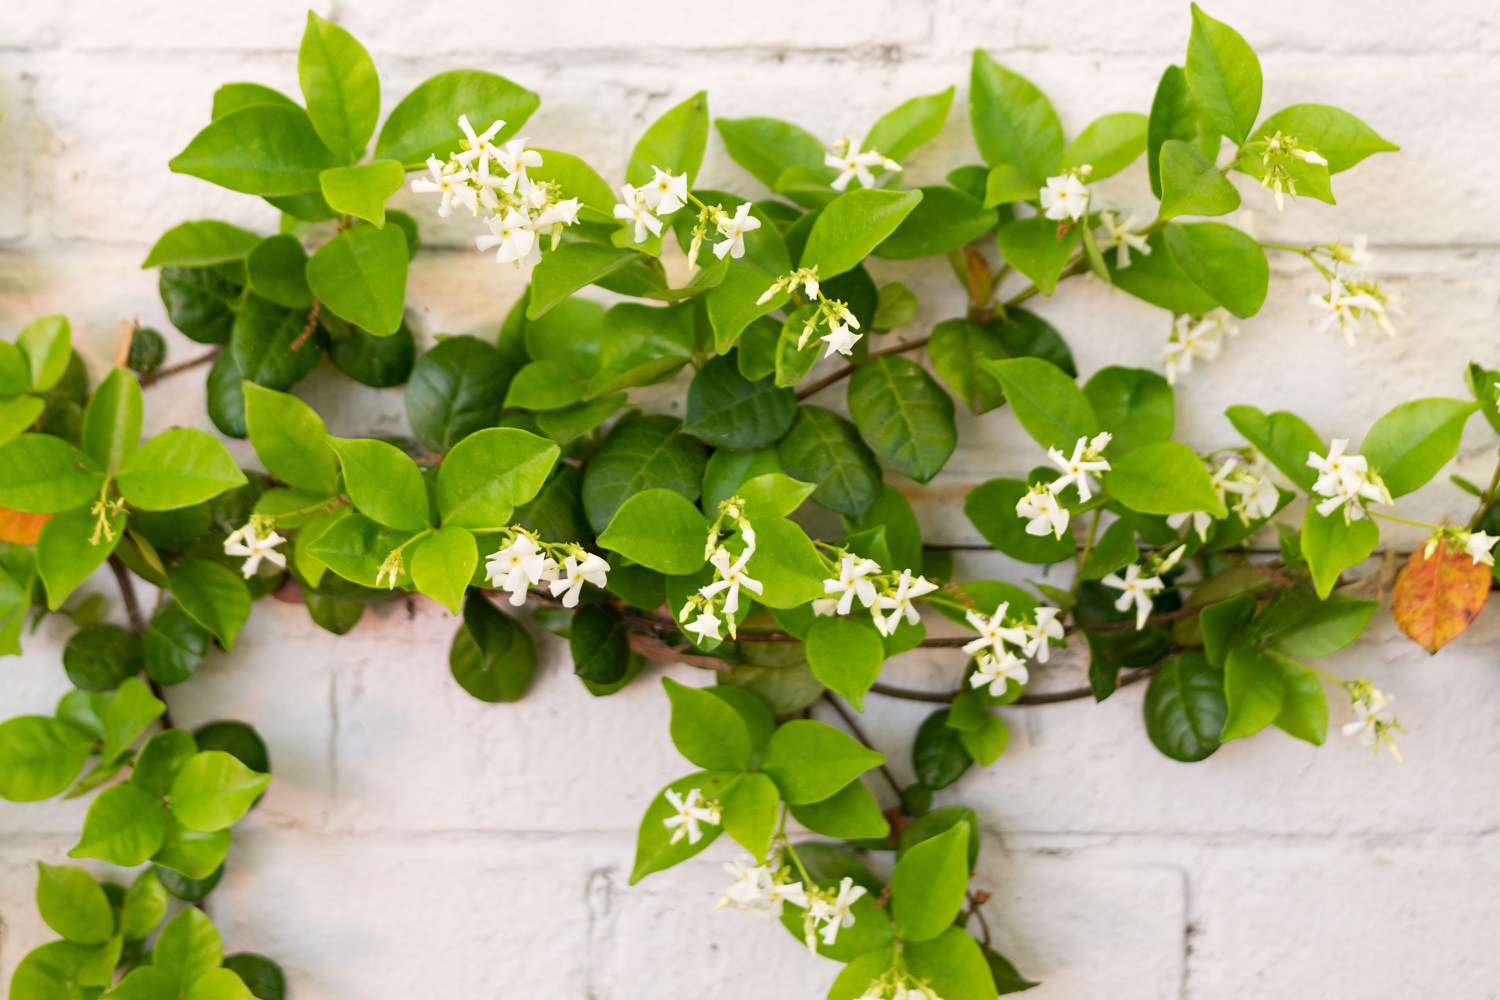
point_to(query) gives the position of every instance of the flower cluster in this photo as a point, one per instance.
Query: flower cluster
(846, 157)
(1195, 338)
(889, 596)
(1042, 503)
(721, 595)
(1141, 583)
(646, 206)
(1123, 236)
(1065, 198)
(525, 561)
(1346, 481)
(521, 211)
(898, 985)
(692, 813)
(1352, 298)
(1477, 545)
(832, 313)
(995, 664)
(829, 911)
(759, 889)
(256, 541)
(1248, 482)
(1279, 154)
(1373, 722)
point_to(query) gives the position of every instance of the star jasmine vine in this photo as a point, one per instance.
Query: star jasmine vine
(760, 536)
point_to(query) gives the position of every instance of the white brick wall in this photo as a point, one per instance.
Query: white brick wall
(417, 843)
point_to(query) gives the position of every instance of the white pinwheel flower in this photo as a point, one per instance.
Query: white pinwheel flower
(834, 911)
(1041, 632)
(1065, 197)
(511, 238)
(733, 228)
(994, 634)
(1195, 339)
(759, 890)
(899, 602)
(706, 626)
(452, 184)
(731, 577)
(1345, 481)
(1046, 516)
(853, 581)
(1123, 237)
(692, 813)
(1478, 546)
(515, 158)
(852, 164)
(518, 567)
(1087, 458)
(996, 670)
(840, 340)
(1135, 588)
(633, 209)
(664, 193)
(574, 573)
(478, 146)
(256, 542)
(1255, 493)
(1373, 724)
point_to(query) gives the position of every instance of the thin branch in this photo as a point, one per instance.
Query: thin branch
(853, 726)
(820, 384)
(206, 358)
(1042, 698)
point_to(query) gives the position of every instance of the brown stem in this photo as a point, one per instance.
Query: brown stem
(820, 384)
(307, 331)
(1487, 500)
(206, 358)
(1043, 698)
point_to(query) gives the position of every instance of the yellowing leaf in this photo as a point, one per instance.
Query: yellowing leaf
(21, 529)
(1437, 596)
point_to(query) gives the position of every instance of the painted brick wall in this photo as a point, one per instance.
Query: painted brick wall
(417, 843)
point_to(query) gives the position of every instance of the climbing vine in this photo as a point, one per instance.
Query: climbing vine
(758, 536)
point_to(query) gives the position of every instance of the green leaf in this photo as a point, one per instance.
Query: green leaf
(952, 964)
(706, 730)
(751, 809)
(959, 346)
(654, 850)
(219, 984)
(904, 129)
(1304, 706)
(190, 863)
(100, 656)
(73, 904)
(570, 267)
(65, 555)
(1283, 437)
(727, 410)
(425, 122)
(174, 645)
(18, 413)
(1047, 402)
(130, 709)
(201, 244)
(39, 757)
(265, 149)
(991, 508)
(1156, 278)
(659, 529)
(112, 419)
(360, 275)
(1223, 75)
(489, 474)
(144, 907)
(1331, 545)
(903, 415)
(340, 85)
(188, 948)
(383, 483)
(1109, 144)
(379, 362)
(1226, 263)
(263, 976)
(600, 646)
(938, 755)
(772, 494)
(1254, 691)
(642, 453)
(850, 814)
(853, 225)
(1175, 115)
(786, 563)
(213, 790)
(945, 219)
(1135, 404)
(160, 760)
(675, 142)
(766, 146)
(1339, 137)
(1185, 707)
(291, 440)
(178, 468)
(1411, 443)
(929, 883)
(577, 180)
(45, 474)
(456, 388)
(233, 96)
(442, 564)
(55, 971)
(1163, 478)
(1035, 247)
(201, 301)
(47, 345)
(846, 655)
(810, 761)
(824, 448)
(214, 595)
(1192, 185)
(892, 515)
(125, 825)
(362, 190)
(1013, 122)
(1330, 626)
(262, 343)
(492, 656)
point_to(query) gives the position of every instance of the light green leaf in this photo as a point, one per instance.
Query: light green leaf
(1283, 437)
(1339, 137)
(144, 907)
(425, 122)
(655, 849)
(125, 825)
(1175, 115)
(490, 473)
(570, 267)
(1226, 263)
(112, 419)
(45, 474)
(786, 563)
(1135, 404)
(213, 790)
(188, 948)
(1223, 75)
(219, 984)
(362, 190)
(945, 219)
(47, 344)
(202, 243)
(1164, 477)
(850, 814)
(852, 226)
(953, 964)
(577, 180)
(1013, 122)
(1156, 278)
(1331, 545)
(360, 275)
(178, 468)
(751, 809)
(907, 127)
(190, 854)
(846, 655)
(706, 730)
(213, 595)
(772, 494)
(1049, 404)
(674, 142)
(340, 85)
(810, 761)
(1331, 625)
(39, 757)
(659, 529)
(767, 146)
(991, 508)
(1304, 706)
(265, 149)
(1254, 691)
(18, 413)
(66, 555)
(1192, 185)
(291, 440)
(442, 565)
(73, 904)
(1034, 247)
(130, 709)
(383, 483)
(1411, 443)
(1109, 144)
(929, 883)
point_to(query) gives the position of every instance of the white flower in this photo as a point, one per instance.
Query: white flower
(478, 146)
(1195, 339)
(1135, 589)
(1087, 458)
(993, 632)
(575, 573)
(852, 582)
(518, 567)
(1200, 519)
(1065, 197)
(1345, 481)
(691, 811)
(1256, 495)
(665, 194)
(514, 157)
(563, 213)
(840, 340)
(759, 890)
(514, 238)
(834, 912)
(1477, 545)
(249, 541)
(731, 577)
(825, 607)
(733, 229)
(452, 184)
(846, 158)
(705, 626)
(633, 208)
(899, 602)
(1039, 633)
(1123, 237)
(1047, 516)
(996, 670)
(1373, 722)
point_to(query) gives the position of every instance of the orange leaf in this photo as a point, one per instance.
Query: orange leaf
(21, 529)
(1436, 598)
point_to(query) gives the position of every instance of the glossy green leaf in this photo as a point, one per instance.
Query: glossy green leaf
(641, 453)
(1013, 122)
(706, 730)
(66, 553)
(824, 448)
(1411, 443)
(382, 482)
(954, 964)
(929, 883)
(201, 243)
(1163, 477)
(45, 474)
(39, 757)
(852, 226)
(852, 813)
(1283, 437)
(456, 388)
(1108, 145)
(1185, 707)
(188, 948)
(1254, 690)
(727, 410)
(425, 122)
(1048, 404)
(265, 149)
(489, 474)
(360, 275)
(767, 146)
(846, 655)
(125, 825)
(73, 904)
(945, 219)
(442, 564)
(1224, 262)
(1331, 545)
(1035, 247)
(1339, 137)
(1223, 75)
(492, 656)
(675, 142)
(655, 848)
(291, 440)
(659, 529)
(340, 86)
(903, 415)
(363, 189)
(213, 595)
(1192, 185)
(810, 761)
(212, 790)
(910, 125)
